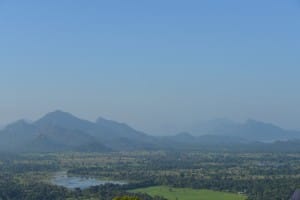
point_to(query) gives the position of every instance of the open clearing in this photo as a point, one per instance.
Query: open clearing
(188, 194)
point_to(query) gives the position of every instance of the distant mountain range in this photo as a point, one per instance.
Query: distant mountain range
(60, 131)
(251, 130)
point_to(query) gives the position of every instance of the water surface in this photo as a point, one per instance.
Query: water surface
(72, 182)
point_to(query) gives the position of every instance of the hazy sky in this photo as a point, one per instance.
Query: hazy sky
(158, 65)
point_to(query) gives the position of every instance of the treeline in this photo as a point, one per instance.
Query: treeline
(11, 189)
(272, 176)
(255, 189)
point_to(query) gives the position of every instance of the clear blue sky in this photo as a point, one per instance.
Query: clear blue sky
(158, 65)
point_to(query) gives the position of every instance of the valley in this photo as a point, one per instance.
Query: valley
(79, 159)
(151, 175)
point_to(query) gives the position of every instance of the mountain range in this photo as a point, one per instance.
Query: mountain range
(251, 130)
(60, 131)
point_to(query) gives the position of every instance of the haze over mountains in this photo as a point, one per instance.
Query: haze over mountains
(251, 130)
(61, 131)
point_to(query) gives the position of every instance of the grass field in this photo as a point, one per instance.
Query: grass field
(188, 194)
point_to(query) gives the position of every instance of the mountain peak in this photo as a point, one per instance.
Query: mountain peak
(58, 113)
(253, 121)
(59, 130)
(64, 120)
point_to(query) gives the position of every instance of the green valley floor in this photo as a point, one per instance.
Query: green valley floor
(188, 194)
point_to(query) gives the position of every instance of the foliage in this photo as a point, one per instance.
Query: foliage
(268, 176)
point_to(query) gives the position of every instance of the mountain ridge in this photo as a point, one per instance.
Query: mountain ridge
(251, 129)
(62, 131)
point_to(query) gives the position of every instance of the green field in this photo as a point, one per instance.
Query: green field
(188, 194)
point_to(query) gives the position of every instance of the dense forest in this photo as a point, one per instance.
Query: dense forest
(267, 176)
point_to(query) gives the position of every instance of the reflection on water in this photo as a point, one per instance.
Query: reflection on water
(72, 182)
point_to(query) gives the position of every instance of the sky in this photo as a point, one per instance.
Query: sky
(158, 65)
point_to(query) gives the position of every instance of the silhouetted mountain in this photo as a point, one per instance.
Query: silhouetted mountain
(54, 138)
(115, 135)
(251, 130)
(61, 131)
(260, 131)
(17, 134)
(64, 120)
(120, 136)
(186, 141)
